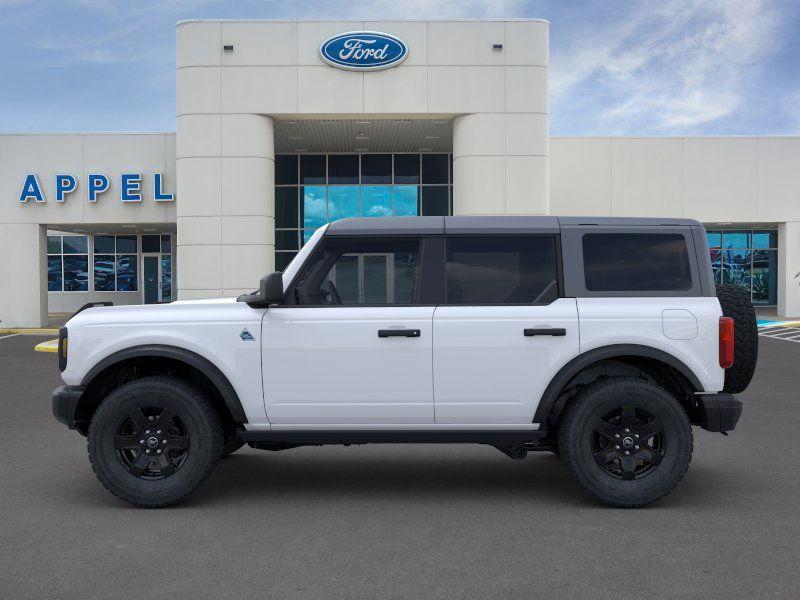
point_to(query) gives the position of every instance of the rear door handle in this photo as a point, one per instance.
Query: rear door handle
(556, 331)
(413, 333)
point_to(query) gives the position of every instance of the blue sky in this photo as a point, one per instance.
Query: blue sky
(617, 67)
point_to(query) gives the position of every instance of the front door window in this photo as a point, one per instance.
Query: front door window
(369, 271)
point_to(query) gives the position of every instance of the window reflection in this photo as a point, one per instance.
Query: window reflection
(311, 190)
(342, 202)
(377, 201)
(747, 258)
(405, 200)
(313, 206)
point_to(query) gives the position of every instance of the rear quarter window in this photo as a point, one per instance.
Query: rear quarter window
(636, 262)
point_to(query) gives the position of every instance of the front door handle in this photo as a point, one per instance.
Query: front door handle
(413, 333)
(556, 331)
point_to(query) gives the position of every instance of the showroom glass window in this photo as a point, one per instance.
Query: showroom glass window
(115, 263)
(747, 258)
(314, 189)
(67, 263)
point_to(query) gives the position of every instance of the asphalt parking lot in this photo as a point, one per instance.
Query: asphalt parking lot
(400, 522)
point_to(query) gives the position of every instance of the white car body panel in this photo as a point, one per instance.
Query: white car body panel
(487, 371)
(610, 321)
(328, 365)
(209, 328)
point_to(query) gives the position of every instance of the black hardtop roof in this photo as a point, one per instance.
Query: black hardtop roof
(488, 224)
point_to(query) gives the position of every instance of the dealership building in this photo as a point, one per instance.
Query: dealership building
(283, 126)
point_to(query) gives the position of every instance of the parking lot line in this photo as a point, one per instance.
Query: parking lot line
(2, 337)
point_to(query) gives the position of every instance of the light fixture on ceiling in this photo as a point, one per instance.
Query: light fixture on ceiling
(328, 121)
(426, 149)
(301, 150)
(288, 122)
(128, 226)
(441, 121)
(360, 149)
(432, 137)
(402, 121)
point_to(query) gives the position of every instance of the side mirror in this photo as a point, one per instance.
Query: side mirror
(271, 288)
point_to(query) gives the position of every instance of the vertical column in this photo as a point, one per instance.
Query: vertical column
(23, 302)
(788, 265)
(225, 212)
(248, 201)
(500, 164)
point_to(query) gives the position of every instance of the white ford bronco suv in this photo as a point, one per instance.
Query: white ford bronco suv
(601, 339)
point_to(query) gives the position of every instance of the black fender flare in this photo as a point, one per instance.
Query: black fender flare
(202, 364)
(550, 396)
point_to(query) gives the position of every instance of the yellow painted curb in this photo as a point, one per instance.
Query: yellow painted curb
(48, 346)
(29, 331)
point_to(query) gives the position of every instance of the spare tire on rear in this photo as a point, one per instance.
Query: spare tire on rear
(735, 303)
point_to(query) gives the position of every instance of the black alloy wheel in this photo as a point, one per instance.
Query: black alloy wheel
(628, 443)
(626, 440)
(152, 443)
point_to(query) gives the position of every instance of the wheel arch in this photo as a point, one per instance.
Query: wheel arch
(553, 399)
(159, 356)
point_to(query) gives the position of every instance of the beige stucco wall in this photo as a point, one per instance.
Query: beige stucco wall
(730, 180)
(226, 103)
(23, 263)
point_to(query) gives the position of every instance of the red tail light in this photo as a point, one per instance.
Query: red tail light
(725, 342)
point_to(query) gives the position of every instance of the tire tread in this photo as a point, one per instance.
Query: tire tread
(567, 423)
(208, 412)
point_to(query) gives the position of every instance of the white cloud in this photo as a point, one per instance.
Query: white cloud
(669, 69)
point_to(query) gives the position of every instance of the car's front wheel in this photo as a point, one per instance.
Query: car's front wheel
(627, 441)
(154, 440)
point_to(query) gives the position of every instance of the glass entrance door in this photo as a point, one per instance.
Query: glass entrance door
(156, 268)
(151, 287)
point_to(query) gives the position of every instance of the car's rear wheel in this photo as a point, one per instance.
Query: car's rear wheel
(627, 441)
(154, 440)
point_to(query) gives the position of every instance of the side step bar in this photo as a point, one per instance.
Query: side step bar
(322, 437)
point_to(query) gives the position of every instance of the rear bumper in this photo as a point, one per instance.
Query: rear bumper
(719, 412)
(65, 404)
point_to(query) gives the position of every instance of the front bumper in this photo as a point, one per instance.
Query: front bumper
(719, 412)
(65, 404)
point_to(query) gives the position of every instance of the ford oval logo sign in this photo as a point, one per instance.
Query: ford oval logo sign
(363, 51)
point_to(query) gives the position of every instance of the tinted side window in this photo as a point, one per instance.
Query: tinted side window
(361, 271)
(501, 270)
(631, 262)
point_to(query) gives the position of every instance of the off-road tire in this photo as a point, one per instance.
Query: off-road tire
(735, 303)
(577, 434)
(197, 416)
(230, 446)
